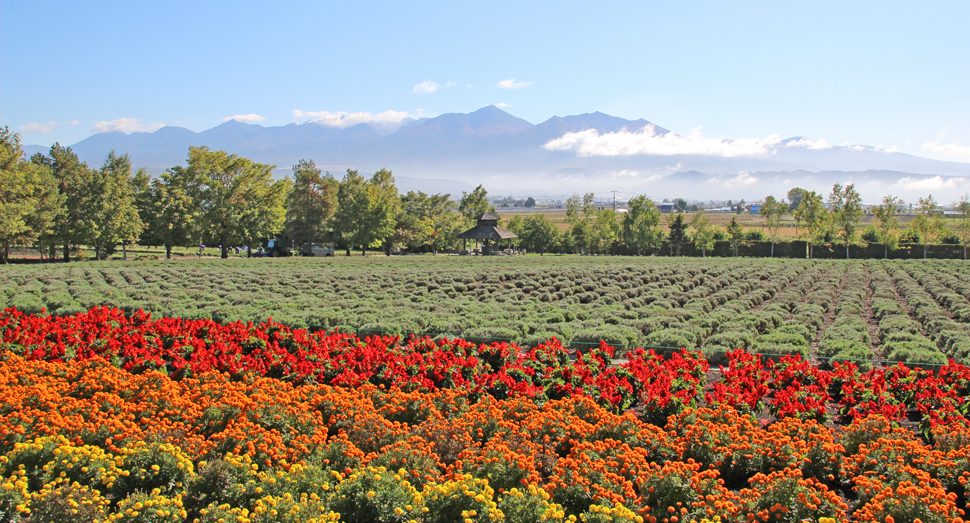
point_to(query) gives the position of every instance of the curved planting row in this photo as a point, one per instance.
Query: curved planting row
(949, 338)
(740, 317)
(951, 329)
(847, 338)
(800, 312)
(902, 337)
(770, 319)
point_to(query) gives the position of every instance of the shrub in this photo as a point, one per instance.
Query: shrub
(153, 507)
(614, 335)
(732, 339)
(375, 494)
(670, 340)
(786, 496)
(487, 335)
(379, 329)
(915, 353)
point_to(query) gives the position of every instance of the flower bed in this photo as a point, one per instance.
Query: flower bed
(105, 416)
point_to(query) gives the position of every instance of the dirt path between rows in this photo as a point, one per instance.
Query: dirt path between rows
(875, 340)
(827, 322)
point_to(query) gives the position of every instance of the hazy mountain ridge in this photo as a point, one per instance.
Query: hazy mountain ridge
(506, 153)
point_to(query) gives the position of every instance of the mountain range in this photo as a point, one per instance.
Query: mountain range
(591, 152)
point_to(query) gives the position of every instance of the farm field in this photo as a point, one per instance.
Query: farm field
(863, 311)
(111, 417)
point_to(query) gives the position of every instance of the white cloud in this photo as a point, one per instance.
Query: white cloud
(628, 173)
(425, 87)
(450, 84)
(952, 150)
(809, 144)
(502, 104)
(933, 183)
(649, 141)
(34, 127)
(341, 119)
(743, 179)
(512, 84)
(125, 125)
(247, 118)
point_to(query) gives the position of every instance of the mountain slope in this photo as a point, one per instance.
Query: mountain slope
(494, 147)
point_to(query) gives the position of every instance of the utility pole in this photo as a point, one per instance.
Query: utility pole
(614, 200)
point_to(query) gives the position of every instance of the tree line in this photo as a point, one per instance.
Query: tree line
(818, 219)
(56, 203)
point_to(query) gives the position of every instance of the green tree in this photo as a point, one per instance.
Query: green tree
(641, 225)
(29, 199)
(606, 231)
(845, 206)
(735, 233)
(703, 234)
(475, 203)
(367, 210)
(70, 174)
(426, 220)
(515, 225)
(352, 203)
(929, 223)
(773, 210)
(108, 215)
(172, 215)
(887, 224)
(384, 209)
(238, 199)
(141, 190)
(579, 214)
(813, 214)
(963, 223)
(530, 202)
(444, 228)
(538, 233)
(795, 198)
(310, 205)
(678, 233)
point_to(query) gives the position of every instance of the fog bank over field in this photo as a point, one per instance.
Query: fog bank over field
(872, 185)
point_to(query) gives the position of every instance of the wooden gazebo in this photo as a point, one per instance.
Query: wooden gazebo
(486, 231)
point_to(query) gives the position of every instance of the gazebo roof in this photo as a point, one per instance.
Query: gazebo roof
(487, 232)
(487, 229)
(488, 216)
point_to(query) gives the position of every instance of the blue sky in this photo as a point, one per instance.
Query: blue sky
(889, 74)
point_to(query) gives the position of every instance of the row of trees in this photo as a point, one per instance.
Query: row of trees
(604, 231)
(818, 220)
(837, 219)
(54, 201)
(57, 200)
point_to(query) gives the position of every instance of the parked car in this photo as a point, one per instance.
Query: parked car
(316, 249)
